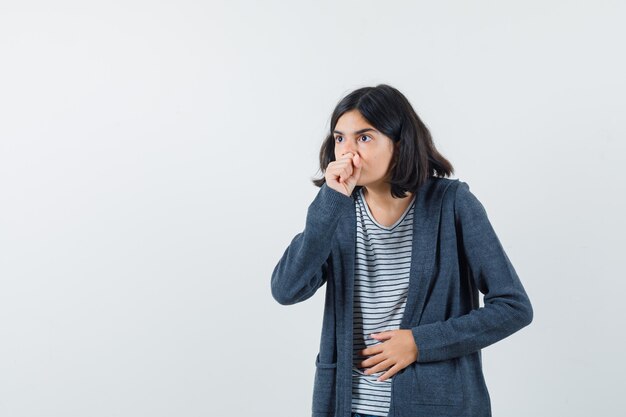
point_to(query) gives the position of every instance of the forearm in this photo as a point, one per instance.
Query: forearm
(302, 267)
(507, 306)
(476, 330)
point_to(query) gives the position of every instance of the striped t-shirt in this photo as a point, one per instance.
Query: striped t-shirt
(381, 281)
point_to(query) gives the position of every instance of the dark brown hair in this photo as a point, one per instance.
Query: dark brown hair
(415, 157)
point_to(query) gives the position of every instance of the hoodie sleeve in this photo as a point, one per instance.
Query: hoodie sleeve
(507, 307)
(302, 268)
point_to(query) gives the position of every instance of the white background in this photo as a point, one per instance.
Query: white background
(156, 159)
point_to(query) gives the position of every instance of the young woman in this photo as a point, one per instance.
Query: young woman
(403, 252)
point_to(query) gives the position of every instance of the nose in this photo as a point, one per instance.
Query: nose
(349, 148)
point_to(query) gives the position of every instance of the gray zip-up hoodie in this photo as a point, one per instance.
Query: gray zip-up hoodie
(456, 254)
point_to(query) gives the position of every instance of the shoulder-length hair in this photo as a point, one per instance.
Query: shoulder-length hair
(415, 157)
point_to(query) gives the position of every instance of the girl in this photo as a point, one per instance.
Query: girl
(403, 252)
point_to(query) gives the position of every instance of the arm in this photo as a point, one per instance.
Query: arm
(302, 268)
(507, 306)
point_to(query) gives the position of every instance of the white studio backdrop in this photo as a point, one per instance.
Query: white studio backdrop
(156, 160)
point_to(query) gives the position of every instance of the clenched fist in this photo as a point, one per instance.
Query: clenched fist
(342, 175)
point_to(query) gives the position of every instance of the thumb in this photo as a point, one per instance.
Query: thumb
(357, 164)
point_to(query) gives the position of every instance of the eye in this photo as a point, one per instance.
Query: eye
(363, 136)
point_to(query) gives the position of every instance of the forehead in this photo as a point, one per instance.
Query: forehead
(353, 122)
(352, 117)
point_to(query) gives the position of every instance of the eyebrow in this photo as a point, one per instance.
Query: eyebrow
(368, 129)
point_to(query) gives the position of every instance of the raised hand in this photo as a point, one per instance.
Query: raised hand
(342, 175)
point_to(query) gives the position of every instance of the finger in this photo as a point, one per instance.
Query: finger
(372, 361)
(373, 350)
(343, 164)
(347, 172)
(348, 159)
(391, 372)
(383, 335)
(373, 358)
(381, 366)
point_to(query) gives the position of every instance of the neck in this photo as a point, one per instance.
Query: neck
(380, 196)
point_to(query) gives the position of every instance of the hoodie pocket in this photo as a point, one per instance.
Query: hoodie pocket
(324, 386)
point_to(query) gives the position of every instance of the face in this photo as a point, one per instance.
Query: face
(354, 134)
